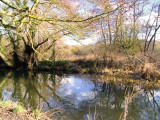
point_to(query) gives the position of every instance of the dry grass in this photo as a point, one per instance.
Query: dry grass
(147, 71)
(14, 111)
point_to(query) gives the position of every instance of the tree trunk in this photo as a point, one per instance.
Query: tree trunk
(4, 61)
(29, 57)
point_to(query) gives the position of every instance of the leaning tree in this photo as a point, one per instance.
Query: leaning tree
(29, 24)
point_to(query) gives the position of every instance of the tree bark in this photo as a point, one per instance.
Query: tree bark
(5, 61)
(29, 57)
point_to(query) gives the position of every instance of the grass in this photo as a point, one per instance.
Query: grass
(117, 65)
(19, 109)
(53, 63)
(36, 113)
(14, 110)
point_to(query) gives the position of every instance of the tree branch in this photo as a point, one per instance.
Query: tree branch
(152, 37)
(50, 46)
(9, 5)
(34, 6)
(13, 7)
(40, 44)
(7, 25)
(24, 41)
(70, 20)
(6, 13)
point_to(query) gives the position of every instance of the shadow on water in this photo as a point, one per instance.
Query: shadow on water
(79, 96)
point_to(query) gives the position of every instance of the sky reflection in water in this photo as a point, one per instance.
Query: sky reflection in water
(79, 96)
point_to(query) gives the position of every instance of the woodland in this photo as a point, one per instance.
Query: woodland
(77, 55)
(124, 34)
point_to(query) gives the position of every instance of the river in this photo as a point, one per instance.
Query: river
(79, 97)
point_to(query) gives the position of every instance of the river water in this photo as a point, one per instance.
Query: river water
(79, 97)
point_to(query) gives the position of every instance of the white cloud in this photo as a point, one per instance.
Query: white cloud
(76, 3)
(68, 92)
(85, 13)
(87, 41)
(87, 95)
(143, 35)
(151, 19)
(156, 96)
(69, 80)
(144, 19)
(69, 41)
(90, 40)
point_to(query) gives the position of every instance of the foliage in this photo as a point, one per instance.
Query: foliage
(31, 25)
(36, 113)
(34, 30)
(53, 64)
(18, 109)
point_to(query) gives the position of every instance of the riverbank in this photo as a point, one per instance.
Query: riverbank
(130, 69)
(15, 111)
(53, 92)
(145, 70)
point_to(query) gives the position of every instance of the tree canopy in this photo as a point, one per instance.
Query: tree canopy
(26, 25)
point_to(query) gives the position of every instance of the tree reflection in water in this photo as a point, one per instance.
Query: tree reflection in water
(80, 96)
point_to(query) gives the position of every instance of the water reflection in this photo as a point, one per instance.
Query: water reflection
(80, 96)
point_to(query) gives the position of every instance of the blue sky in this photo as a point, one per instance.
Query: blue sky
(143, 19)
(86, 11)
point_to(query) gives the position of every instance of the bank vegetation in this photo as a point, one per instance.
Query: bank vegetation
(124, 35)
